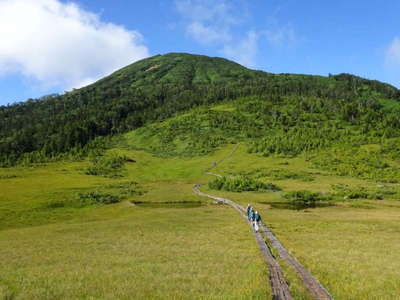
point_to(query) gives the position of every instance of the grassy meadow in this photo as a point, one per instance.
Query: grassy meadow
(351, 246)
(122, 250)
(52, 248)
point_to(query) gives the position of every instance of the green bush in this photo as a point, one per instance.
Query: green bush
(86, 199)
(276, 174)
(8, 176)
(241, 184)
(97, 198)
(347, 193)
(306, 198)
(358, 162)
(282, 174)
(106, 166)
(128, 188)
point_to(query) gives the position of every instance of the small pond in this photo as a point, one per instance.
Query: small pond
(187, 204)
(297, 205)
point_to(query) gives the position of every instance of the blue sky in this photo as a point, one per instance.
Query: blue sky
(53, 46)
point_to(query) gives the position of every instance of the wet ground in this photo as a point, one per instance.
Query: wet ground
(297, 205)
(189, 204)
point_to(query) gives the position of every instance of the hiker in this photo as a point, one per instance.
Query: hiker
(248, 210)
(252, 216)
(257, 220)
(251, 212)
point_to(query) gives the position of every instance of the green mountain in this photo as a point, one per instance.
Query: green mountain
(162, 86)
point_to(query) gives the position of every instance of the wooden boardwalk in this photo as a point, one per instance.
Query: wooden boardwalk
(280, 289)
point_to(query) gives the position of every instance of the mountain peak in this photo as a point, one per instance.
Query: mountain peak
(181, 68)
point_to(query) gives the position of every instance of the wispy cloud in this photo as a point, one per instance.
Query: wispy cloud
(212, 22)
(207, 34)
(207, 21)
(224, 24)
(281, 36)
(245, 51)
(393, 52)
(59, 44)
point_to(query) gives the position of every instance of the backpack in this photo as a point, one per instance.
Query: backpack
(258, 218)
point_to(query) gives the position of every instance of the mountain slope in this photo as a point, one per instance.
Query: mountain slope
(150, 90)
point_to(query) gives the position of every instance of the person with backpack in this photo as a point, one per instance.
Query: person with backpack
(252, 216)
(251, 212)
(256, 221)
(248, 211)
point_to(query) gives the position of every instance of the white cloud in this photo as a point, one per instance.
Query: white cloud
(207, 21)
(216, 11)
(207, 34)
(222, 24)
(245, 51)
(60, 44)
(282, 36)
(393, 52)
(211, 22)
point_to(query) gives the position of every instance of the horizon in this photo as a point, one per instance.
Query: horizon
(41, 56)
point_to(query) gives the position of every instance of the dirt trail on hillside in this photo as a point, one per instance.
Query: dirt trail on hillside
(280, 289)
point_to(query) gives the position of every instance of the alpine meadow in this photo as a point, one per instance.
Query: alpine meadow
(135, 187)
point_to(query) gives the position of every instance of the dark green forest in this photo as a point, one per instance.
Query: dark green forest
(283, 114)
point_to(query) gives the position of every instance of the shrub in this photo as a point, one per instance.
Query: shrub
(8, 176)
(86, 199)
(241, 184)
(282, 174)
(358, 162)
(348, 193)
(128, 188)
(106, 166)
(96, 198)
(306, 198)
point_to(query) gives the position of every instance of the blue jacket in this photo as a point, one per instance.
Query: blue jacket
(249, 209)
(252, 215)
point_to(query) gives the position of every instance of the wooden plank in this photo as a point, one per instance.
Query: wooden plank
(313, 285)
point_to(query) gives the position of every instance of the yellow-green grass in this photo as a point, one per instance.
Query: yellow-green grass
(354, 252)
(351, 247)
(137, 253)
(123, 251)
(128, 251)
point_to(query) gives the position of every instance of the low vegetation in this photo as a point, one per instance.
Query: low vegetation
(107, 166)
(373, 163)
(86, 199)
(8, 176)
(306, 198)
(241, 184)
(380, 192)
(277, 174)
